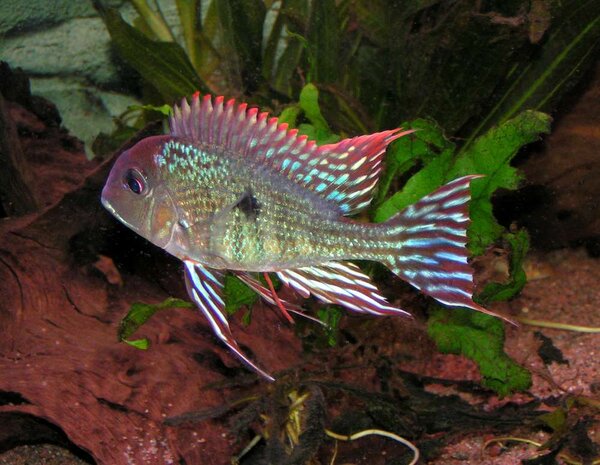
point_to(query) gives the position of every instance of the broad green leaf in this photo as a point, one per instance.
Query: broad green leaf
(324, 39)
(273, 43)
(141, 344)
(139, 313)
(242, 25)
(237, 294)
(479, 337)
(519, 245)
(247, 317)
(163, 64)
(318, 130)
(425, 144)
(556, 419)
(331, 316)
(290, 115)
(165, 110)
(153, 20)
(429, 178)
(345, 112)
(189, 15)
(319, 136)
(490, 155)
(285, 44)
(221, 35)
(209, 57)
(572, 45)
(309, 103)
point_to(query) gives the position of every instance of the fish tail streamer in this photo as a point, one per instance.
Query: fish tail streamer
(428, 245)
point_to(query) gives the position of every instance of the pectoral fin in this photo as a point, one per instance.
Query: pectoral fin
(205, 287)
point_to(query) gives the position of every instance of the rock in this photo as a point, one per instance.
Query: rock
(87, 110)
(78, 48)
(74, 65)
(17, 17)
(65, 47)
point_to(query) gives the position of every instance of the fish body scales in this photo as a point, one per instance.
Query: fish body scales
(253, 219)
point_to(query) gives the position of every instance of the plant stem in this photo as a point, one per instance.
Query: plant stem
(378, 432)
(156, 23)
(557, 325)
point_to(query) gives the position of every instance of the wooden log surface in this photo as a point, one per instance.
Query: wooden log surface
(60, 360)
(15, 176)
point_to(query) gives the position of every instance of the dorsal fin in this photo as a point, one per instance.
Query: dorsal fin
(344, 173)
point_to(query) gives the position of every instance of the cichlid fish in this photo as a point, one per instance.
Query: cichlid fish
(231, 189)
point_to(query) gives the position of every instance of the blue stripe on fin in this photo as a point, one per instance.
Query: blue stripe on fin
(340, 283)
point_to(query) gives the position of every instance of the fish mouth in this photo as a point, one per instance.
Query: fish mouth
(106, 204)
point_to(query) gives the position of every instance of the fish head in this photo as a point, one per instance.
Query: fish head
(136, 194)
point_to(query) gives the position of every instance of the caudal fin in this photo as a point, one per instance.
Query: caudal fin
(430, 245)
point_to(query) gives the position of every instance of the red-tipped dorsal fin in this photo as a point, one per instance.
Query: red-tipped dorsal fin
(344, 173)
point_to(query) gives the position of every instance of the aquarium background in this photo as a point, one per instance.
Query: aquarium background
(510, 89)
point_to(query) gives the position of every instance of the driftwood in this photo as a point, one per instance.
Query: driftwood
(61, 300)
(559, 205)
(15, 176)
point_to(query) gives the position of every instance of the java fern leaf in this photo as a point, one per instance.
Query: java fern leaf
(479, 337)
(164, 65)
(489, 155)
(139, 314)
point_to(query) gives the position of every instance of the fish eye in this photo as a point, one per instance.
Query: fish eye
(134, 181)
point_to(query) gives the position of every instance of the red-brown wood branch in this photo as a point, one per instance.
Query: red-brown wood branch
(15, 176)
(59, 315)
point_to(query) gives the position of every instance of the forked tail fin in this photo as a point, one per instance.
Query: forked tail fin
(430, 250)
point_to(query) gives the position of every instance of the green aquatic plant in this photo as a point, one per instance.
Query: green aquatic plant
(467, 66)
(441, 161)
(337, 68)
(139, 313)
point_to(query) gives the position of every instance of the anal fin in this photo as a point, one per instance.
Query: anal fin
(340, 283)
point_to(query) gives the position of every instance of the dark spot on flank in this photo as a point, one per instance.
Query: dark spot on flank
(249, 205)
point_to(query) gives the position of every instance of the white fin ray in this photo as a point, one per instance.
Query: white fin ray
(265, 293)
(341, 283)
(344, 173)
(205, 288)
